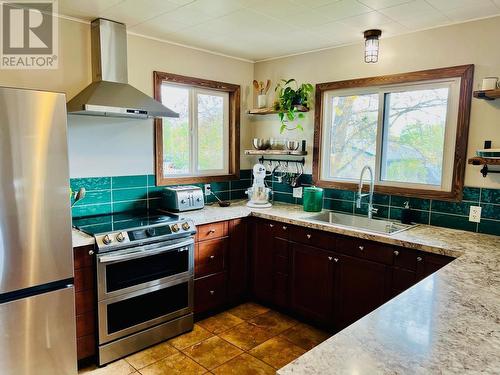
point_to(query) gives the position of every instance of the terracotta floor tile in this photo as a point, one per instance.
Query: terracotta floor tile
(244, 364)
(187, 339)
(305, 336)
(273, 322)
(246, 335)
(248, 310)
(120, 367)
(176, 364)
(212, 352)
(150, 355)
(277, 352)
(220, 322)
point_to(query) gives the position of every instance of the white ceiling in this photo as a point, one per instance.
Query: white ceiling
(261, 29)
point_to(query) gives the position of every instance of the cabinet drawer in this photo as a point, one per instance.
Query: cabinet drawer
(81, 256)
(405, 258)
(85, 324)
(210, 257)
(84, 301)
(313, 237)
(211, 231)
(209, 292)
(84, 279)
(85, 346)
(365, 249)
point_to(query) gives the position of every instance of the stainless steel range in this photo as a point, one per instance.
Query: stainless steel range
(145, 276)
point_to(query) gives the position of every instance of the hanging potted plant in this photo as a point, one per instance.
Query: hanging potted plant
(290, 98)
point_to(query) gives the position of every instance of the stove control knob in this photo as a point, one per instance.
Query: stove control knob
(186, 226)
(120, 237)
(175, 228)
(107, 239)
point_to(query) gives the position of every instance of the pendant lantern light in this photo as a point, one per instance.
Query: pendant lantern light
(372, 45)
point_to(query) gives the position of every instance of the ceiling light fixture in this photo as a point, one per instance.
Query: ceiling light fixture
(371, 45)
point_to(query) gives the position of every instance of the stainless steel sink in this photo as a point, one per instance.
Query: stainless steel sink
(360, 222)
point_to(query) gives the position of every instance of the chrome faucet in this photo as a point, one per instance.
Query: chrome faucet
(371, 210)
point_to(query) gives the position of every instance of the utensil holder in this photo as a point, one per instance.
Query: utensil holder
(261, 101)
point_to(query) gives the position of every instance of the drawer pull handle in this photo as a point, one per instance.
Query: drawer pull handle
(91, 252)
(271, 225)
(212, 292)
(212, 256)
(284, 227)
(396, 253)
(336, 260)
(211, 231)
(361, 248)
(308, 236)
(330, 258)
(419, 259)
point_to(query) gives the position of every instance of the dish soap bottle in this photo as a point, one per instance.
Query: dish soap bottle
(406, 214)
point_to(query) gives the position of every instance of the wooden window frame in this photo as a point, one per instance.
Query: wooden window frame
(234, 92)
(464, 72)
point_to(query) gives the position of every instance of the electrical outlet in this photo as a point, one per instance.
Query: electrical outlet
(475, 214)
(297, 192)
(208, 189)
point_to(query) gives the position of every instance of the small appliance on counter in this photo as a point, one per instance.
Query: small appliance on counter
(182, 198)
(313, 199)
(258, 194)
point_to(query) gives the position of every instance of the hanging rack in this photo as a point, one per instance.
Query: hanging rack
(262, 160)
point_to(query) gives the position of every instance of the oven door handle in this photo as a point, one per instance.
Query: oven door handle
(143, 253)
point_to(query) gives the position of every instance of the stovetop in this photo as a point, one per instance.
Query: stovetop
(134, 228)
(98, 224)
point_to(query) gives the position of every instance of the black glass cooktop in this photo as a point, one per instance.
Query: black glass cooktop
(122, 221)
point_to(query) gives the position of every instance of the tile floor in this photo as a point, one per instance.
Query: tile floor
(248, 339)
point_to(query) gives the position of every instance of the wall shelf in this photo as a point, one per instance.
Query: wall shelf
(275, 152)
(270, 111)
(484, 162)
(487, 94)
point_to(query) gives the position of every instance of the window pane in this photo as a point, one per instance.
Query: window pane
(414, 132)
(353, 135)
(176, 131)
(210, 132)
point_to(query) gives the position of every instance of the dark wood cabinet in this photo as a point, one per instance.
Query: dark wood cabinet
(84, 302)
(238, 271)
(221, 265)
(430, 263)
(360, 287)
(312, 289)
(271, 258)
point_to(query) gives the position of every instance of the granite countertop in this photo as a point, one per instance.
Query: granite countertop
(446, 323)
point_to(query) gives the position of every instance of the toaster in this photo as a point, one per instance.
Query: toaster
(182, 198)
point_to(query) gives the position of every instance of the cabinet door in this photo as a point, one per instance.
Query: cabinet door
(237, 264)
(360, 288)
(262, 280)
(312, 282)
(430, 263)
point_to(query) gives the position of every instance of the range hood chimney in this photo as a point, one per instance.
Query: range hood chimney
(109, 94)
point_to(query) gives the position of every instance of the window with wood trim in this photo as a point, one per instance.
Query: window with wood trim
(410, 128)
(201, 145)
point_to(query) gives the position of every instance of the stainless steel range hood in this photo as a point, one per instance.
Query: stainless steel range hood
(109, 94)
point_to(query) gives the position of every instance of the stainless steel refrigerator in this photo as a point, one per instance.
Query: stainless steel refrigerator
(37, 309)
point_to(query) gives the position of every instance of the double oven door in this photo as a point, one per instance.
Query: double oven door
(141, 287)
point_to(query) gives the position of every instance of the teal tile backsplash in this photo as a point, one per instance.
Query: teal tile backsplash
(122, 193)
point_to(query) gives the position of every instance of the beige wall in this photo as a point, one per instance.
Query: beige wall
(102, 146)
(469, 43)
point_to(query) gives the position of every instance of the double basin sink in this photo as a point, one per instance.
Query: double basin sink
(360, 222)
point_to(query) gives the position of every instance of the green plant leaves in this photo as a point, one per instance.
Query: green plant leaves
(288, 98)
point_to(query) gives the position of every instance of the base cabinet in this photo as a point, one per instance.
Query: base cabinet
(360, 288)
(312, 286)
